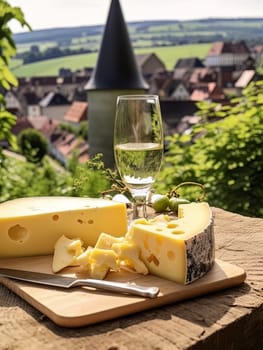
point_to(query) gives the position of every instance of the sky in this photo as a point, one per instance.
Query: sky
(43, 14)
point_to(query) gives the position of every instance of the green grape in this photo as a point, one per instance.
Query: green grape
(160, 203)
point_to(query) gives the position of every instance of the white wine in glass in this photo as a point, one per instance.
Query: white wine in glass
(138, 145)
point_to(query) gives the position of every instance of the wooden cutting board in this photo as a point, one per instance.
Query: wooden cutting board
(83, 306)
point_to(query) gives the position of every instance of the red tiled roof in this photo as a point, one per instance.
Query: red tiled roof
(49, 127)
(43, 124)
(199, 95)
(221, 47)
(204, 92)
(77, 112)
(83, 153)
(257, 49)
(68, 143)
(211, 87)
(245, 78)
(38, 122)
(64, 139)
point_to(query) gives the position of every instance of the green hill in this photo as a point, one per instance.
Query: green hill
(169, 55)
(150, 33)
(52, 49)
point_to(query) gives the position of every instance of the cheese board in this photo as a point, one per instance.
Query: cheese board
(82, 306)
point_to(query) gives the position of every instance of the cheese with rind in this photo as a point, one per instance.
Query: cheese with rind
(31, 226)
(181, 250)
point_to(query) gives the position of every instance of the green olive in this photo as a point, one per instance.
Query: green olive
(160, 203)
(174, 203)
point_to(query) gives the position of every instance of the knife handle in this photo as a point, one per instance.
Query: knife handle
(130, 288)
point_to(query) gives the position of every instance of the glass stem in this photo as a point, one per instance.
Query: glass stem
(139, 207)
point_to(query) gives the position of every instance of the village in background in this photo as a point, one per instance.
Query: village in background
(47, 104)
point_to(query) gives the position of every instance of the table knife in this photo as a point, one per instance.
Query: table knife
(69, 282)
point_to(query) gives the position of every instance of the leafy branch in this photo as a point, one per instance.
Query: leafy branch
(224, 155)
(7, 79)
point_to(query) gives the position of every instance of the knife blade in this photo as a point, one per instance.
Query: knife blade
(69, 282)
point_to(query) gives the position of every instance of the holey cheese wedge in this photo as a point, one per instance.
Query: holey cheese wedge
(181, 250)
(31, 226)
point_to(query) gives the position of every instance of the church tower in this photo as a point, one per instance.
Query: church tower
(116, 73)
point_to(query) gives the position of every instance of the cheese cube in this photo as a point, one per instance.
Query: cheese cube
(66, 251)
(129, 256)
(128, 253)
(181, 250)
(98, 262)
(105, 241)
(31, 226)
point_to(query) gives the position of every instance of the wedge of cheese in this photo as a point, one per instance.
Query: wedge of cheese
(31, 226)
(181, 250)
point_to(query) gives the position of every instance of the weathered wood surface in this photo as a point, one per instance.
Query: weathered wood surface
(232, 319)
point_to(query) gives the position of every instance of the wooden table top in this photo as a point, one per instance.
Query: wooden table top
(229, 319)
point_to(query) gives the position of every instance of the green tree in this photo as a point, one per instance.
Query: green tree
(7, 79)
(225, 156)
(25, 179)
(33, 145)
(80, 130)
(68, 127)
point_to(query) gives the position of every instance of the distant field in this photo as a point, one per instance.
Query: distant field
(16, 63)
(51, 67)
(168, 54)
(43, 46)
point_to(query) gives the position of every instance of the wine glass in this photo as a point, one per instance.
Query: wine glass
(138, 145)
